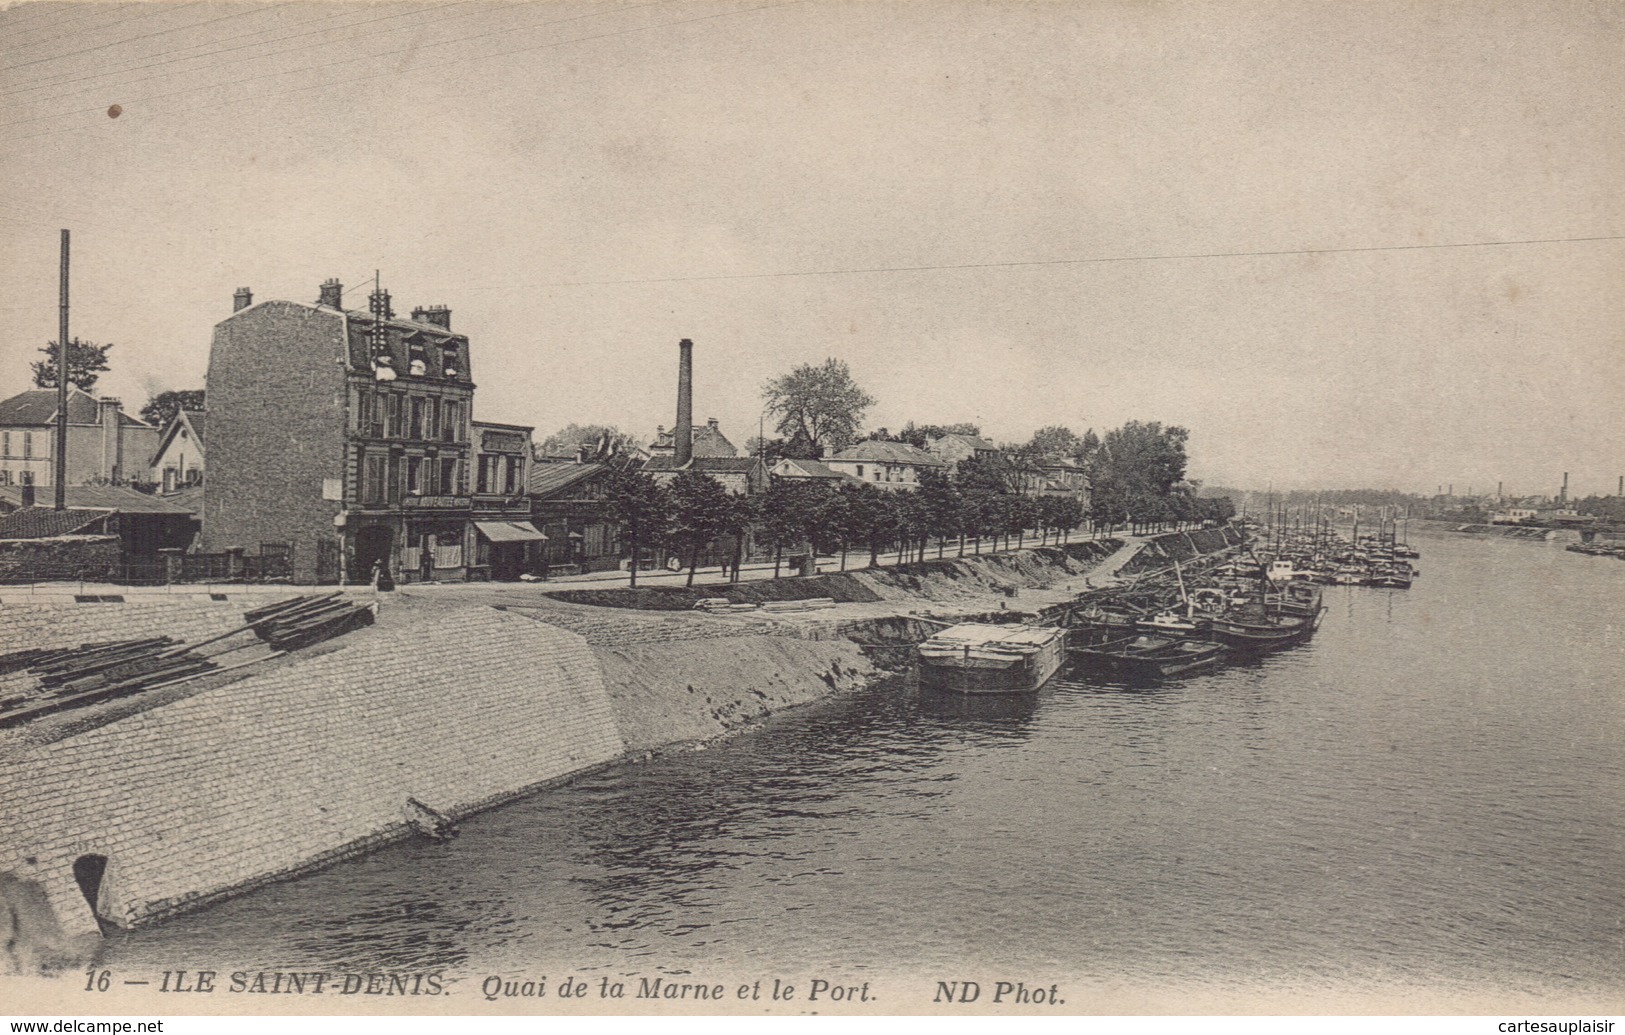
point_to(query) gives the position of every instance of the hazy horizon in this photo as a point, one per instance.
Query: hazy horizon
(1239, 218)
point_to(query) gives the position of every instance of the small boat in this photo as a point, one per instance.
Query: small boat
(973, 658)
(1172, 623)
(1264, 632)
(1151, 657)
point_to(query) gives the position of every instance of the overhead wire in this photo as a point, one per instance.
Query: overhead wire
(133, 39)
(90, 10)
(246, 46)
(373, 57)
(1180, 256)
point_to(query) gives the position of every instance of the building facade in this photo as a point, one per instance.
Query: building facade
(885, 464)
(106, 446)
(345, 436)
(178, 462)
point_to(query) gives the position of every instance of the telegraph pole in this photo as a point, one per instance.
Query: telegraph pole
(61, 465)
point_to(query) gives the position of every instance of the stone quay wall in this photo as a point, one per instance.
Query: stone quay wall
(310, 759)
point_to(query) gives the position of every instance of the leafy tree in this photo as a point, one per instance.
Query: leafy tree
(788, 508)
(942, 507)
(873, 517)
(701, 510)
(600, 438)
(1134, 472)
(744, 512)
(641, 506)
(827, 520)
(86, 362)
(772, 450)
(992, 473)
(844, 517)
(164, 407)
(1054, 443)
(820, 403)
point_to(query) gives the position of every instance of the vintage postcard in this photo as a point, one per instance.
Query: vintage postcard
(778, 507)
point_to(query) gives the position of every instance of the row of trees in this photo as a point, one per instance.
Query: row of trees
(694, 511)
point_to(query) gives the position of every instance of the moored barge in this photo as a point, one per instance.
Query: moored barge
(973, 658)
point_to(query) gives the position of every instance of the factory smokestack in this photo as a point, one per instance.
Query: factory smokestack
(683, 434)
(1565, 496)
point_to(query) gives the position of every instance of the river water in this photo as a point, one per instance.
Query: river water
(1432, 791)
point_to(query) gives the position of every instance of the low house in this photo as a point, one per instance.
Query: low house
(506, 544)
(1053, 477)
(744, 475)
(105, 444)
(708, 440)
(178, 463)
(888, 465)
(567, 504)
(791, 469)
(144, 524)
(955, 447)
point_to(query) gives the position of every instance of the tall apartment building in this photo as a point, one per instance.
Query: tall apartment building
(347, 437)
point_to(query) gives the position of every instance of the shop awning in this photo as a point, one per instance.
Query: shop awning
(510, 532)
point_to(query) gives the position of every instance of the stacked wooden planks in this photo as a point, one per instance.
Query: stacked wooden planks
(50, 681)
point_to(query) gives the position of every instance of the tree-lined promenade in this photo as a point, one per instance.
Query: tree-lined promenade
(1137, 472)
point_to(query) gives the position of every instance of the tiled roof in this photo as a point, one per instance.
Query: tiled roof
(793, 468)
(98, 497)
(190, 498)
(704, 464)
(551, 479)
(971, 441)
(888, 452)
(43, 522)
(37, 406)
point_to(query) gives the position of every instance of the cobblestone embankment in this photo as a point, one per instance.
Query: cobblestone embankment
(456, 704)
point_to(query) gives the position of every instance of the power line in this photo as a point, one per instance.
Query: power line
(91, 12)
(1088, 261)
(245, 46)
(374, 56)
(377, 75)
(145, 35)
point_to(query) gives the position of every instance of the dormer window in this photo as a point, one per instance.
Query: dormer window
(417, 357)
(449, 360)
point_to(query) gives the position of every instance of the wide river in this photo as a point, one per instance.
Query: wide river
(1430, 794)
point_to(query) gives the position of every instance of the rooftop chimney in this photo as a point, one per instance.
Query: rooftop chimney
(711, 422)
(438, 315)
(378, 303)
(683, 433)
(332, 294)
(242, 300)
(112, 440)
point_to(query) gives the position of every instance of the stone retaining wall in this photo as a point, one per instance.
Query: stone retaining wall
(303, 763)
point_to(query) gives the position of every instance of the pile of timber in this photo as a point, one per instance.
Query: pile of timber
(302, 621)
(90, 673)
(84, 675)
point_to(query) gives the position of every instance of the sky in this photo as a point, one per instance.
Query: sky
(1346, 245)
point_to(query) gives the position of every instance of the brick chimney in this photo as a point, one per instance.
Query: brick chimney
(112, 440)
(332, 294)
(438, 315)
(241, 300)
(683, 434)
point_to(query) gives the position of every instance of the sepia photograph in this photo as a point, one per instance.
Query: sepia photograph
(763, 508)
